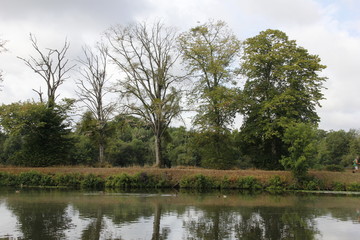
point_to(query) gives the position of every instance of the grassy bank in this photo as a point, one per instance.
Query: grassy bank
(193, 178)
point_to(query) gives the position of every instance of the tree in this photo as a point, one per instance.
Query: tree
(2, 49)
(92, 90)
(301, 139)
(146, 55)
(52, 66)
(283, 85)
(209, 52)
(37, 135)
(338, 148)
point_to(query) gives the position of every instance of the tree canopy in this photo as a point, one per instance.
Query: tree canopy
(283, 85)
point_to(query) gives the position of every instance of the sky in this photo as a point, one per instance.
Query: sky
(328, 28)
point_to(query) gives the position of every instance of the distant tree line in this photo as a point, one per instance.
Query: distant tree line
(273, 83)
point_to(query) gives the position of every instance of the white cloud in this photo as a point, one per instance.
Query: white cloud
(329, 29)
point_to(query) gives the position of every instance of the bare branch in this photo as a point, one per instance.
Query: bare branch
(52, 66)
(147, 55)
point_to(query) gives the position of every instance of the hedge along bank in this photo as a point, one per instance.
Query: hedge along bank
(143, 180)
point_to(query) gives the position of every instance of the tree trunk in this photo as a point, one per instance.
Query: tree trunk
(101, 153)
(158, 153)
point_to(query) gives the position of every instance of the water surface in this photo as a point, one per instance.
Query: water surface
(56, 214)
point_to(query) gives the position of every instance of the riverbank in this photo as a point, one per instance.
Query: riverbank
(198, 178)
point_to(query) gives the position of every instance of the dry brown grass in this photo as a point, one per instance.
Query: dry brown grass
(179, 172)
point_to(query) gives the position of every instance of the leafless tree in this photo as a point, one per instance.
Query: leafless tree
(2, 49)
(92, 90)
(147, 56)
(52, 66)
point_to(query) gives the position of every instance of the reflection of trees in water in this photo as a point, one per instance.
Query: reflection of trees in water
(279, 223)
(105, 217)
(251, 223)
(209, 223)
(41, 220)
(121, 214)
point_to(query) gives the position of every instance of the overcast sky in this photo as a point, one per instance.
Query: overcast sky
(328, 28)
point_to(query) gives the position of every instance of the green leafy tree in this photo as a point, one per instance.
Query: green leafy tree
(209, 52)
(86, 140)
(283, 85)
(130, 142)
(147, 55)
(338, 148)
(37, 135)
(301, 139)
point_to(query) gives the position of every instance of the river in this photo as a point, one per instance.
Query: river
(63, 214)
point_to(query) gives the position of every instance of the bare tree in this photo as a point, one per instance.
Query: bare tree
(92, 90)
(2, 49)
(147, 57)
(52, 66)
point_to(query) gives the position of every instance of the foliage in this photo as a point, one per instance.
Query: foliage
(300, 137)
(338, 147)
(147, 55)
(335, 168)
(337, 186)
(283, 85)
(249, 183)
(91, 181)
(38, 135)
(211, 153)
(276, 185)
(198, 181)
(209, 51)
(354, 187)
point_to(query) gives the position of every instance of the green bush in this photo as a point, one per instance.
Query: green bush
(92, 181)
(313, 185)
(34, 178)
(198, 181)
(335, 168)
(336, 186)
(68, 180)
(353, 187)
(276, 184)
(226, 183)
(7, 179)
(119, 181)
(249, 183)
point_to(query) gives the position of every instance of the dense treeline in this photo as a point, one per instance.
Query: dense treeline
(282, 88)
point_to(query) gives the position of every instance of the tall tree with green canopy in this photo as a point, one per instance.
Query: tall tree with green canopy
(209, 52)
(147, 56)
(283, 85)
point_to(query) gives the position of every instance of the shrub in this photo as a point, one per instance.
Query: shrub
(276, 184)
(336, 186)
(249, 183)
(68, 180)
(354, 187)
(34, 178)
(335, 168)
(313, 184)
(226, 183)
(197, 182)
(92, 181)
(7, 179)
(119, 181)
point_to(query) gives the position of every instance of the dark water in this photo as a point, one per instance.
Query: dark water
(54, 214)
